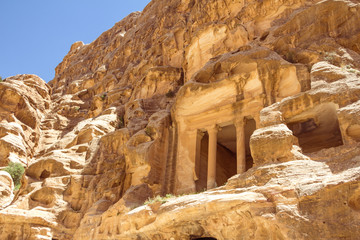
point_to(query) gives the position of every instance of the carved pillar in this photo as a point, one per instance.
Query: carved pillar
(192, 148)
(199, 137)
(240, 146)
(257, 121)
(211, 178)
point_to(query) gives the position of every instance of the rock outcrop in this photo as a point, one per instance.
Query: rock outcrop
(6, 189)
(24, 100)
(256, 102)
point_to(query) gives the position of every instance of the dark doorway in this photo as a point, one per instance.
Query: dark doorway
(201, 163)
(225, 154)
(249, 128)
(225, 157)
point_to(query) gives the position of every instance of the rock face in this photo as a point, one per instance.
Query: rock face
(256, 102)
(6, 189)
(24, 100)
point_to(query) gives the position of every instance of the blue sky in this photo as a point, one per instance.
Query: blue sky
(35, 35)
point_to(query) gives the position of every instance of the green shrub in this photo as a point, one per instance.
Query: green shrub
(161, 199)
(16, 170)
(164, 199)
(167, 197)
(330, 57)
(350, 69)
(1, 80)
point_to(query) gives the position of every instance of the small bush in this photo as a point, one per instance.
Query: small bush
(164, 199)
(330, 56)
(161, 199)
(16, 170)
(350, 69)
(1, 80)
(76, 108)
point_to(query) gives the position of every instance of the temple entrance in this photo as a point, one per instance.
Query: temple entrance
(318, 129)
(226, 153)
(225, 157)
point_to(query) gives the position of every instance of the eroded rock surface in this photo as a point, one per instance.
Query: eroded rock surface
(6, 189)
(269, 89)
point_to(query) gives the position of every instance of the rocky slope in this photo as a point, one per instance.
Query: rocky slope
(105, 134)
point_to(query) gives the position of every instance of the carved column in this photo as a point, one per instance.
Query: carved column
(240, 146)
(211, 178)
(257, 121)
(192, 148)
(199, 137)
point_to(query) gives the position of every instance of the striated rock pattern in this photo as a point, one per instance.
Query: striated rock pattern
(24, 101)
(256, 101)
(6, 189)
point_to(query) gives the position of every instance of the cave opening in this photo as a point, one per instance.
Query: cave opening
(318, 129)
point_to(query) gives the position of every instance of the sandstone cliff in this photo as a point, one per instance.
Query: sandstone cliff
(256, 101)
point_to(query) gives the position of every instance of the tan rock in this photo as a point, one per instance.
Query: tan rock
(6, 189)
(327, 72)
(272, 144)
(252, 206)
(349, 122)
(24, 100)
